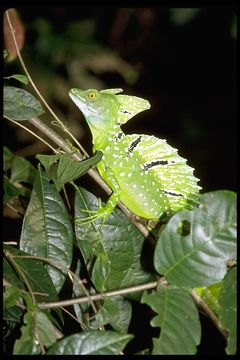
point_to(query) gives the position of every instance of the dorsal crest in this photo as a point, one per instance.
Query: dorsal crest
(111, 91)
(130, 106)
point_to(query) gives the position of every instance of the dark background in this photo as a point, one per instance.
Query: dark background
(183, 62)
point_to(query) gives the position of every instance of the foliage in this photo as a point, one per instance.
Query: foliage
(193, 250)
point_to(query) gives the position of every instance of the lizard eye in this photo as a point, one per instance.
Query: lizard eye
(92, 95)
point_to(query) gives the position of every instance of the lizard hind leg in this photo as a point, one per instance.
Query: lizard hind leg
(94, 215)
(102, 213)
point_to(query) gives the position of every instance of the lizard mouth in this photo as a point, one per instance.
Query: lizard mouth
(81, 104)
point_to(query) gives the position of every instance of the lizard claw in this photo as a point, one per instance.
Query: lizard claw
(101, 213)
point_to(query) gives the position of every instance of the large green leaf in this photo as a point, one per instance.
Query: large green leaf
(27, 344)
(8, 156)
(177, 316)
(115, 311)
(228, 309)
(91, 342)
(46, 332)
(22, 170)
(193, 249)
(118, 240)
(19, 104)
(12, 314)
(63, 168)
(10, 297)
(10, 190)
(37, 329)
(210, 295)
(79, 291)
(47, 230)
(22, 78)
(34, 271)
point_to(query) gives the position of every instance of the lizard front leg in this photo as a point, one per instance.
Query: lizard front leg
(103, 211)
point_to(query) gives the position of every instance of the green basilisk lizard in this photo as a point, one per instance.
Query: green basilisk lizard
(145, 173)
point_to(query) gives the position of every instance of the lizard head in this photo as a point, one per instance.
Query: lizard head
(99, 109)
(104, 109)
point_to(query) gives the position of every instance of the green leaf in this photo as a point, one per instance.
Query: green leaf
(35, 273)
(196, 255)
(118, 239)
(48, 160)
(100, 272)
(5, 53)
(37, 329)
(181, 16)
(45, 330)
(27, 344)
(91, 342)
(78, 291)
(13, 314)
(177, 316)
(47, 230)
(228, 309)
(22, 78)
(10, 190)
(22, 170)
(10, 297)
(66, 169)
(20, 104)
(210, 295)
(7, 158)
(9, 274)
(115, 311)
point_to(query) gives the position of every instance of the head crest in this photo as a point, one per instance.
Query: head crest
(111, 91)
(130, 106)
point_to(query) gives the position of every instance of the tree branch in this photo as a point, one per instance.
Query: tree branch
(95, 297)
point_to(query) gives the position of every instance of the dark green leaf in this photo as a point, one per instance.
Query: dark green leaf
(27, 344)
(10, 297)
(177, 316)
(22, 78)
(45, 330)
(48, 160)
(13, 314)
(47, 230)
(180, 16)
(118, 239)
(100, 272)
(199, 257)
(9, 273)
(78, 291)
(115, 311)
(22, 170)
(35, 273)
(5, 53)
(210, 295)
(7, 158)
(228, 309)
(10, 190)
(20, 104)
(91, 342)
(67, 169)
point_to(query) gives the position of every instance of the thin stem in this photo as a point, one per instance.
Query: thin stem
(96, 297)
(31, 132)
(61, 267)
(143, 229)
(202, 305)
(72, 316)
(36, 89)
(21, 273)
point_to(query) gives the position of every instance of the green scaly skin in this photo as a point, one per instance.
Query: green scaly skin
(144, 172)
